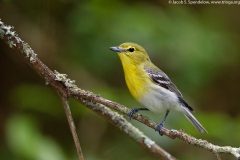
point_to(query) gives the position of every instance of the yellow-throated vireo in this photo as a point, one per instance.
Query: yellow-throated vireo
(150, 86)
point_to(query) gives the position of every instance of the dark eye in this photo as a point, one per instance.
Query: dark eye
(131, 49)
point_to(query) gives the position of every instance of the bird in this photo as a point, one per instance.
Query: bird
(150, 86)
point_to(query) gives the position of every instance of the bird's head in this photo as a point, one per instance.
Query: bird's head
(131, 52)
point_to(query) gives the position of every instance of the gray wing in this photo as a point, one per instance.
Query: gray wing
(161, 79)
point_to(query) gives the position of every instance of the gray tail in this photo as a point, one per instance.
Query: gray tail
(193, 120)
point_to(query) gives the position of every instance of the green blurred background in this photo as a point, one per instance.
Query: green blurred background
(196, 45)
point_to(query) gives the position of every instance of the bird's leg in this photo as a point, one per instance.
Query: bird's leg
(135, 110)
(160, 125)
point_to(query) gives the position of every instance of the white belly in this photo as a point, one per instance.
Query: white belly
(160, 100)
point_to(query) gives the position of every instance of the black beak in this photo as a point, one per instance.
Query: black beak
(117, 49)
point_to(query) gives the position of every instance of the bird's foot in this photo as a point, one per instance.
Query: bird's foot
(135, 110)
(160, 125)
(132, 112)
(159, 128)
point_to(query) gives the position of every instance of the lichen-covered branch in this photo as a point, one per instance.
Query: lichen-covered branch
(62, 84)
(81, 94)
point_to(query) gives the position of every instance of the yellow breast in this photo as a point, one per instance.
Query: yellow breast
(135, 77)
